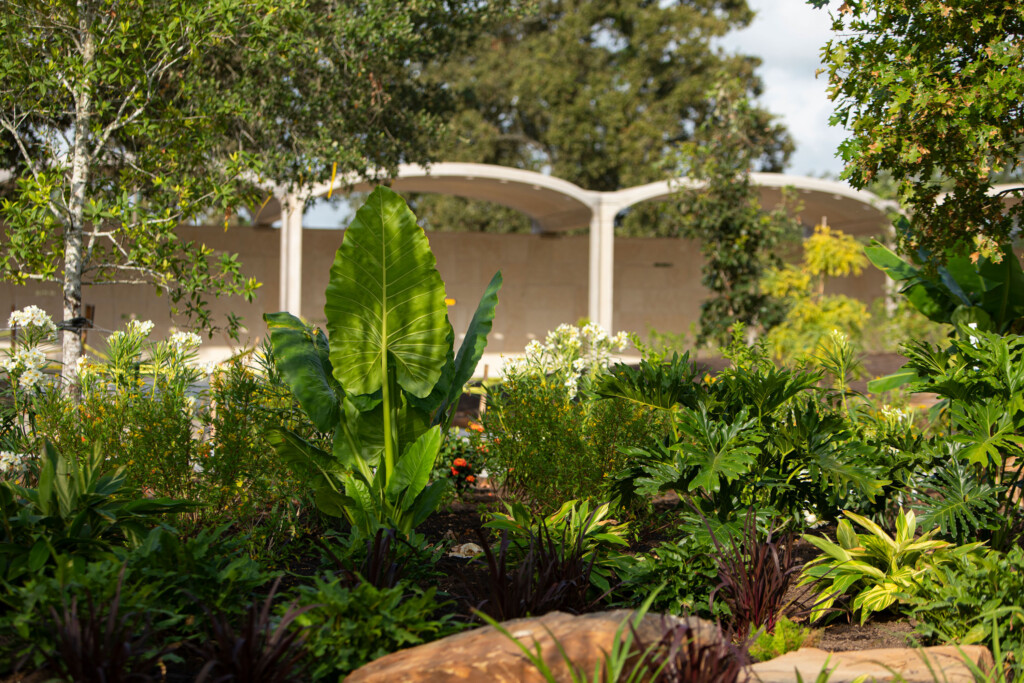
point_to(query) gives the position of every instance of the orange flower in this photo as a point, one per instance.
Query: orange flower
(470, 479)
(476, 426)
(455, 472)
(460, 462)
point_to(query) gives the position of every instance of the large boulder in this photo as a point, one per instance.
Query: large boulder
(485, 655)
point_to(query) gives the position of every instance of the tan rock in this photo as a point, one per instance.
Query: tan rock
(484, 655)
(944, 664)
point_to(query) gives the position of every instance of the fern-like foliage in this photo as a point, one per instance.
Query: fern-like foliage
(958, 502)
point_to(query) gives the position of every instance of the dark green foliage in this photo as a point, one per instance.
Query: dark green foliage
(170, 579)
(963, 602)
(932, 92)
(264, 648)
(981, 376)
(120, 125)
(350, 626)
(103, 643)
(74, 515)
(688, 569)
(659, 385)
(957, 502)
(597, 92)
(986, 291)
(757, 434)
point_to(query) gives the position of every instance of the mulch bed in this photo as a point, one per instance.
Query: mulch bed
(460, 521)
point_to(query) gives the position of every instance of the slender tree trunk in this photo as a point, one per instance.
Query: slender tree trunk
(73, 228)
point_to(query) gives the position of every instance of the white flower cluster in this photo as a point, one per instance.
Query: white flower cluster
(28, 363)
(31, 316)
(185, 341)
(12, 462)
(140, 327)
(572, 351)
(896, 417)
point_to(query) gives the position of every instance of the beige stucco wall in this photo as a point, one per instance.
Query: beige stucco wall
(657, 283)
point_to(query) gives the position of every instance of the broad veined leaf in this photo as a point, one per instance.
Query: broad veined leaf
(988, 430)
(829, 548)
(302, 356)
(385, 302)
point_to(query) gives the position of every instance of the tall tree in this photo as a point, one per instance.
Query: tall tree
(598, 92)
(121, 118)
(738, 239)
(933, 92)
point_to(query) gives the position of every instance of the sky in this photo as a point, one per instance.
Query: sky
(788, 36)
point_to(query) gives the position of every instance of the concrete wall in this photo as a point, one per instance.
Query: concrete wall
(657, 284)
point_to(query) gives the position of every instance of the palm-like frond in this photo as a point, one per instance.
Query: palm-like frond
(958, 502)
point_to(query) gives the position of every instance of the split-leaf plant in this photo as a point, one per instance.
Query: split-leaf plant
(980, 378)
(386, 380)
(755, 435)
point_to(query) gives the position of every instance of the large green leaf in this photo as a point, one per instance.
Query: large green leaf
(460, 370)
(313, 463)
(302, 357)
(412, 471)
(385, 301)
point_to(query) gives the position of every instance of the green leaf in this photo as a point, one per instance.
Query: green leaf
(412, 470)
(426, 503)
(313, 463)
(330, 502)
(38, 555)
(896, 380)
(459, 371)
(385, 302)
(302, 357)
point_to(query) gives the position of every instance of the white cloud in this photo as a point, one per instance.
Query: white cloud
(788, 36)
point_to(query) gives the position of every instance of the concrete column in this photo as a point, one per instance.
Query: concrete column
(602, 264)
(291, 253)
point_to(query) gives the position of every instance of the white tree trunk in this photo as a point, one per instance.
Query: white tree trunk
(73, 227)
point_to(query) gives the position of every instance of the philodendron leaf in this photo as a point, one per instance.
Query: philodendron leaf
(385, 302)
(302, 357)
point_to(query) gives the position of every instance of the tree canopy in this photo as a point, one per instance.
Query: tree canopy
(119, 119)
(933, 92)
(598, 92)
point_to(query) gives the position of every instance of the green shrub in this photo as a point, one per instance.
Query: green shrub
(688, 570)
(354, 625)
(961, 602)
(167, 577)
(75, 515)
(786, 637)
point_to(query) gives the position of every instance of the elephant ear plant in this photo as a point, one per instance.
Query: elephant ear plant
(386, 380)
